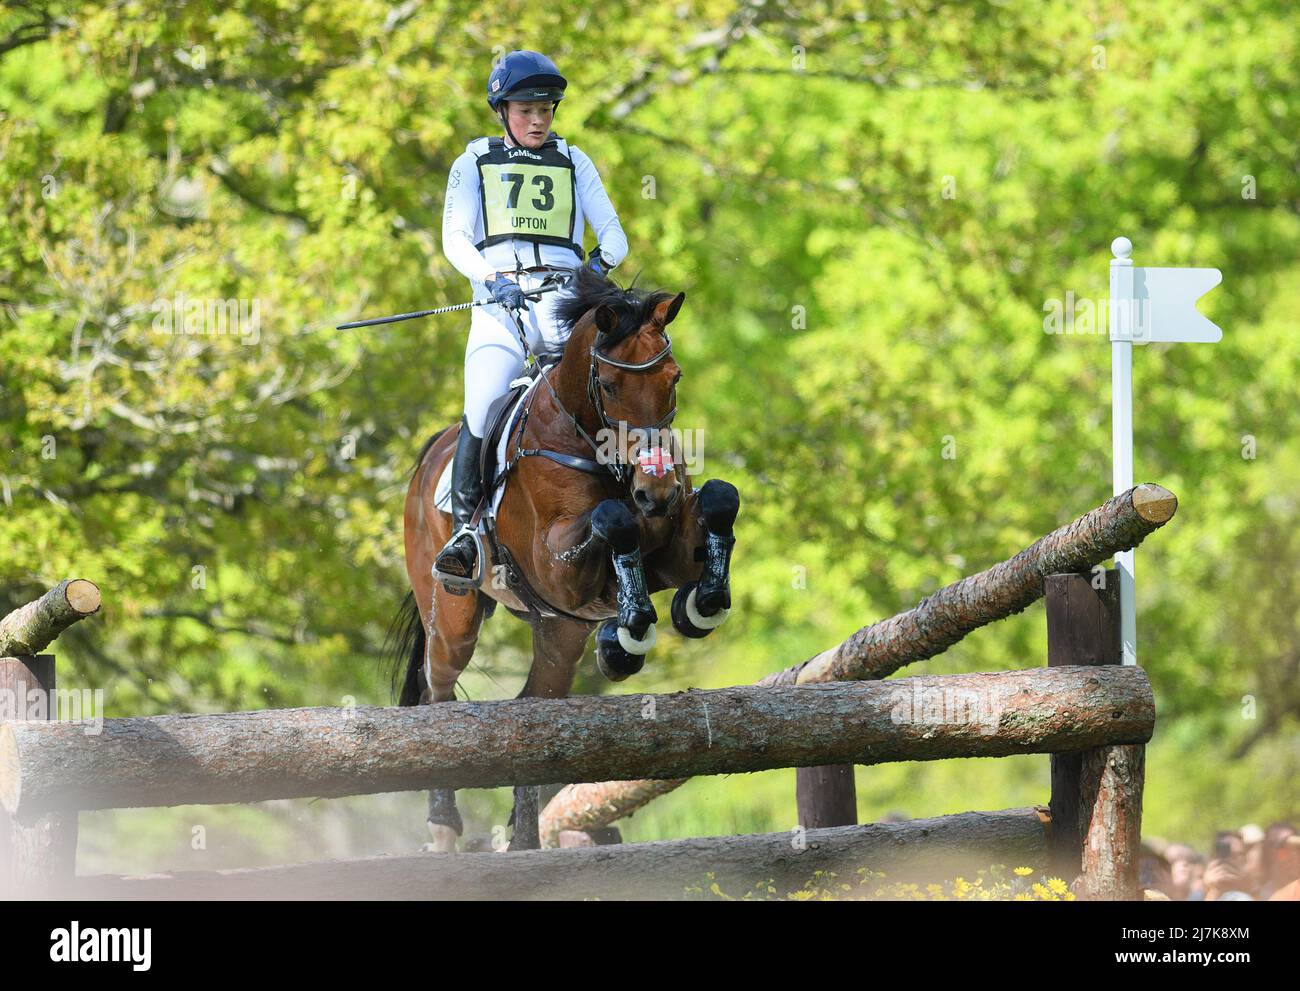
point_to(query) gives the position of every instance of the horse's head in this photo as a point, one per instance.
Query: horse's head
(634, 388)
(630, 383)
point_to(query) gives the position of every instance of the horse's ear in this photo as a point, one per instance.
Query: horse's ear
(606, 319)
(666, 310)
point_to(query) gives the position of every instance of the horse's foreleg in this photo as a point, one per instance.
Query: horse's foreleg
(719, 504)
(579, 549)
(698, 559)
(622, 643)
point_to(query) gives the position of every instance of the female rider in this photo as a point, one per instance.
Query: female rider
(516, 211)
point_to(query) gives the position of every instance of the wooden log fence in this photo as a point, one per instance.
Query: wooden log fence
(823, 716)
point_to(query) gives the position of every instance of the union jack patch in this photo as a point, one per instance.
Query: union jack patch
(656, 462)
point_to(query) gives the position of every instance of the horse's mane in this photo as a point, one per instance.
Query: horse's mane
(589, 290)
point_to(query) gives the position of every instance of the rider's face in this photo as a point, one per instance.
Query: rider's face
(530, 122)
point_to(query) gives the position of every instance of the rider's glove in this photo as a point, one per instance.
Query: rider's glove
(597, 264)
(506, 292)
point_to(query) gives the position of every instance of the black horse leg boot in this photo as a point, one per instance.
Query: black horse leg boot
(457, 559)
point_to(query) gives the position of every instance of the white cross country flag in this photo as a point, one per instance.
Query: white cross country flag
(1146, 304)
(1165, 305)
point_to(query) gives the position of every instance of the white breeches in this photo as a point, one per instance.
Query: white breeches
(493, 355)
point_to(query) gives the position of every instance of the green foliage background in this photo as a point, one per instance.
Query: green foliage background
(868, 207)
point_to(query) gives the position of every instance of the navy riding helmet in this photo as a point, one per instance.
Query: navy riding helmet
(521, 75)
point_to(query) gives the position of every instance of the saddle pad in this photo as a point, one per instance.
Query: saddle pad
(442, 493)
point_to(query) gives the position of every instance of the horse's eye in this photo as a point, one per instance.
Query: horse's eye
(607, 387)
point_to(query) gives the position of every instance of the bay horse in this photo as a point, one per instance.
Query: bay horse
(582, 541)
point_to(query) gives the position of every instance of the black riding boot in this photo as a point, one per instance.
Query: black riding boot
(457, 558)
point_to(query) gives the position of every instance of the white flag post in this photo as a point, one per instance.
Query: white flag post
(1146, 304)
(1121, 429)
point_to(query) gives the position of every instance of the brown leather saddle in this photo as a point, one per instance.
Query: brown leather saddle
(498, 420)
(503, 416)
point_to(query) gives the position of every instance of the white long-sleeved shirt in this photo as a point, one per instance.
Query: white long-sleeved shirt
(462, 222)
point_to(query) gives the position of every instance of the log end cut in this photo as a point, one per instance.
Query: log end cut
(1154, 503)
(83, 596)
(31, 628)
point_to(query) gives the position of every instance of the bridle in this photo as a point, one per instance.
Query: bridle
(594, 394)
(622, 472)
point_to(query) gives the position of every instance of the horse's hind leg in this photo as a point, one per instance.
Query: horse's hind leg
(451, 632)
(557, 648)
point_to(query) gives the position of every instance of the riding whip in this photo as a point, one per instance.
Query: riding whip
(529, 294)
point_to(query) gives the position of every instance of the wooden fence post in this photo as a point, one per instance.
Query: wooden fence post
(37, 858)
(826, 796)
(1096, 802)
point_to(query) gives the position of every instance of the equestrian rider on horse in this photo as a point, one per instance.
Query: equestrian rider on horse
(515, 213)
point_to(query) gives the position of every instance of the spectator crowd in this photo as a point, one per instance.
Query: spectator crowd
(1246, 864)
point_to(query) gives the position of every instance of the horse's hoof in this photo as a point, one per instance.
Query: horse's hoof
(687, 619)
(444, 839)
(614, 662)
(634, 646)
(697, 618)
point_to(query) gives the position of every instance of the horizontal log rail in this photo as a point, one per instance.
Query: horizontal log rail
(915, 851)
(323, 752)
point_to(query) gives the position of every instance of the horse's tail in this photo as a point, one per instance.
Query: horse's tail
(404, 644)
